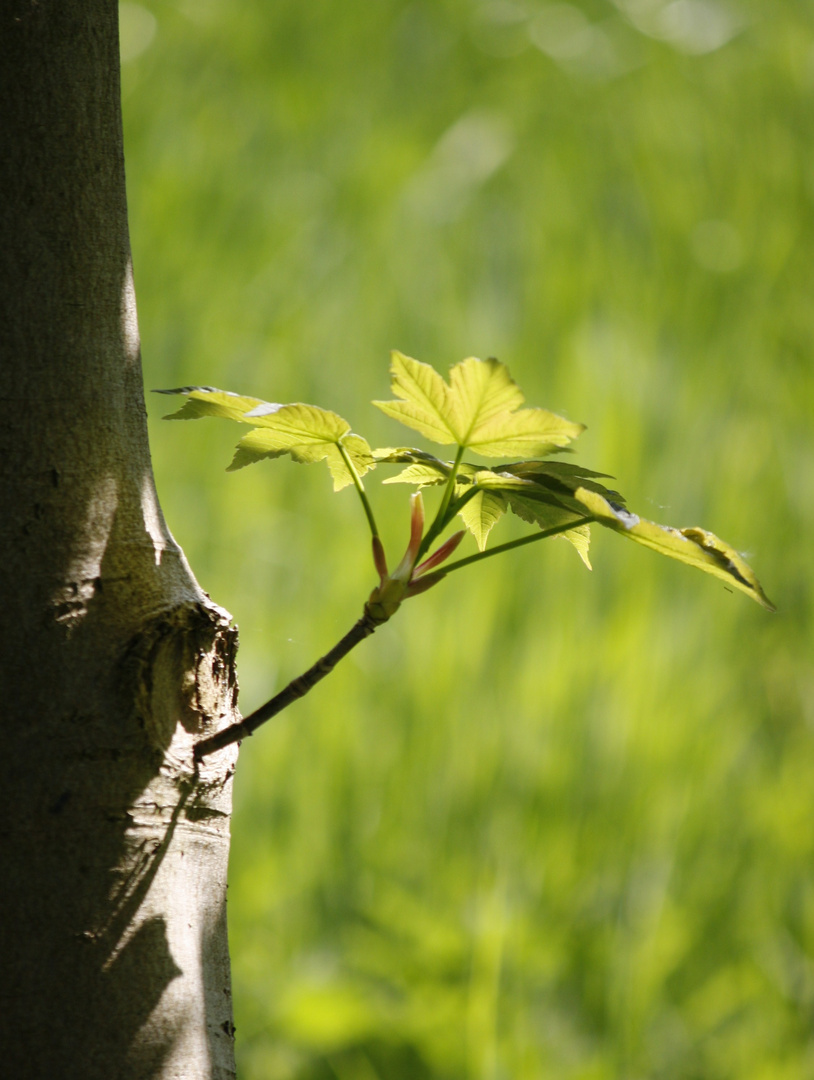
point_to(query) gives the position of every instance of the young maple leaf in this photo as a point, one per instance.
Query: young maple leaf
(479, 409)
(305, 432)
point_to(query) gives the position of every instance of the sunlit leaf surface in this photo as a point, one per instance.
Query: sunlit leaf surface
(694, 546)
(477, 409)
(305, 432)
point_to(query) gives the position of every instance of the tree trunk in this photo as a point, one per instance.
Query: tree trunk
(113, 954)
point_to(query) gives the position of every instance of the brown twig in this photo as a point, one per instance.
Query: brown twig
(297, 688)
(372, 618)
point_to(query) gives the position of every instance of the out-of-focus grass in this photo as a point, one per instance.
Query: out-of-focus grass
(546, 823)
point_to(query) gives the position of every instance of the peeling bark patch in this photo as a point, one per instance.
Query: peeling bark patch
(181, 667)
(71, 601)
(215, 681)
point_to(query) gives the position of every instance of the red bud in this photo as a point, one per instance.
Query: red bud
(379, 559)
(439, 555)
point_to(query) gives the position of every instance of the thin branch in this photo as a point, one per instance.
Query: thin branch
(365, 626)
(297, 688)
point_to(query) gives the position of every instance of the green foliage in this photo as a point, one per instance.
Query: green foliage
(545, 825)
(479, 410)
(694, 546)
(305, 432)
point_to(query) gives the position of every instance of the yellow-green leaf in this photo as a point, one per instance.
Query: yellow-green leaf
(306, 432)
(548, 516)
(694, 546)
(529, 431)
(481, 513)
(497, 480)
(422, 468)
(306, 442)
(419, 474)
(478, 409)
(402, 455)
(580, 537)
(208, 401)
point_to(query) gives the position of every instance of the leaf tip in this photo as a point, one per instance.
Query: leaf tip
(765, 602)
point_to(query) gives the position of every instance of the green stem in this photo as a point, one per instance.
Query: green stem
(441, 519)
(360, 487)
(543, 535)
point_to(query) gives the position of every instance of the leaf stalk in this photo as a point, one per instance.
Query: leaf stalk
(360, 488)
(443, 517)
(511, 544)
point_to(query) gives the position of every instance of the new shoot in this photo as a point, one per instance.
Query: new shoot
(479, 411)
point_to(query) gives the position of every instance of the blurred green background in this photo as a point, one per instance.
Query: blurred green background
(547, 823)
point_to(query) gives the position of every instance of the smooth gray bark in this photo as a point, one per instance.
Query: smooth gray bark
(113, 953)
